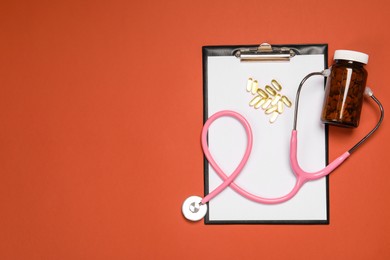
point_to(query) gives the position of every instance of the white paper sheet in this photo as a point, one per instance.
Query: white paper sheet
(268, 172)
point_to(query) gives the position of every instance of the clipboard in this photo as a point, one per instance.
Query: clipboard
(226, 72)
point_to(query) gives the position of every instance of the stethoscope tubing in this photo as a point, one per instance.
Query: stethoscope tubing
(229, 180)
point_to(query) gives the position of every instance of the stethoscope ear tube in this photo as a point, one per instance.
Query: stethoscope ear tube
(333, 165)
(369, 93)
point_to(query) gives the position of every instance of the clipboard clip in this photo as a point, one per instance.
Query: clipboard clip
(264, 52)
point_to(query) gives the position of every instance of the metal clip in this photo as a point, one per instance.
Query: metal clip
(265, 52)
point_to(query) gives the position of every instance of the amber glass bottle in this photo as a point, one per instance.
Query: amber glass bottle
(345, 89)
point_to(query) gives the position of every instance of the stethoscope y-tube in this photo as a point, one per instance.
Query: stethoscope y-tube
(194, 208)
(303, 176)
(368, 92)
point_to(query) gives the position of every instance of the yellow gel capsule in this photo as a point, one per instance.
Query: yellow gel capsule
(270, 90)
(259, 104)
(255, 100)
(286, 101)
(249, 84)
(273, 117)
(271, 109)
(262, 93)
(276, 85)
(276, 99)
(267, 103)
(280, 107)
(255, 87)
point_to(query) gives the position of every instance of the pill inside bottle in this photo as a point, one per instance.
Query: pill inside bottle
(345, 89)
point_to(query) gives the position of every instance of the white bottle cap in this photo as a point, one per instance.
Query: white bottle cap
(351, 55)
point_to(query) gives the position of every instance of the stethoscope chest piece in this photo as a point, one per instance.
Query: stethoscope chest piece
(193, 209)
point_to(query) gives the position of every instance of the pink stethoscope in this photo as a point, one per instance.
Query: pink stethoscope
(194, 208)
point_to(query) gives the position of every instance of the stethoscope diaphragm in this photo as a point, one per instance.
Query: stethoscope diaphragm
(193, 209)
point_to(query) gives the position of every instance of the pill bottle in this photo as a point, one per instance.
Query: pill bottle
(345, 89)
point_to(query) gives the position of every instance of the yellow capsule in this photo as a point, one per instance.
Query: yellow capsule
(259, 104)
(262, 93)
(255, 100)
(280, 107)
(276, 99)
(286, 101)
(249, 84)
(270, 90)
(271, 109)
(276, 85)
(273, 117)
(255, 87)
(266, 103)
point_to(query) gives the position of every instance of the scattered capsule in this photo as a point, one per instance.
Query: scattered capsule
(280, 107)
(276, 85)
(271, 109)
(255, 100)
(255, 87)
(267, 103)
(270, 90)
(249, 84)
(259, 104)
(276, 99)
(262, 93)
(273, 117)
(286, 101)
(268, 98)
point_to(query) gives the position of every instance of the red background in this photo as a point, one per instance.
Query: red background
(100, 119)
